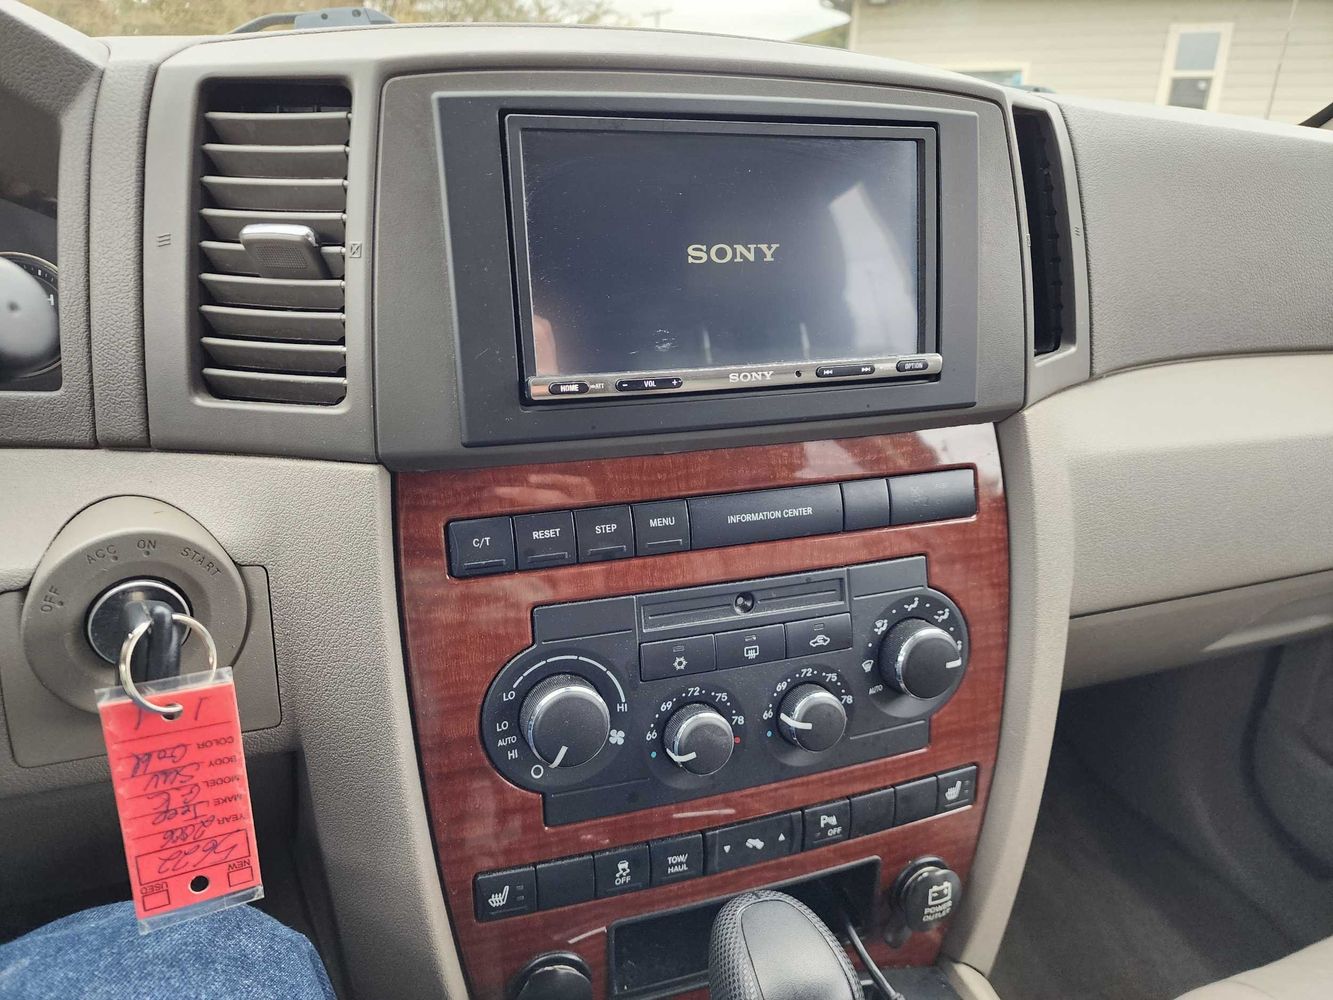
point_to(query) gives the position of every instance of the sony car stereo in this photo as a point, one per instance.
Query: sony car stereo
(683, 264)
(659, 256)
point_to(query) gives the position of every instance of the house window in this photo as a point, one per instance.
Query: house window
(1196, 55)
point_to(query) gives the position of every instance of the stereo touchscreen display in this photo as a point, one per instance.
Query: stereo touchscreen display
(676, 247)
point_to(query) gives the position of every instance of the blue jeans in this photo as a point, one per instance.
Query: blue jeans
(99, 954)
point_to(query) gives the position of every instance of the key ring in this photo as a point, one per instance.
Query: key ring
(127, 651)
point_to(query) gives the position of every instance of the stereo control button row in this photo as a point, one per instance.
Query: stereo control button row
(482, 546)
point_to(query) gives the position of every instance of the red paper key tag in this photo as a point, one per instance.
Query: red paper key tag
(183, 798)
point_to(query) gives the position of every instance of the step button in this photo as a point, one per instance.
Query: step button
(604, 533)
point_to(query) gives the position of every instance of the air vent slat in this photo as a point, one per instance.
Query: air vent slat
(310, 359)
(278, 194)
(1048, 231)
(273, 152)
(310, 128)
(231, 258)
(276, 293)
(275, 324)
(227, 223)
(272, 387)
(278, 161)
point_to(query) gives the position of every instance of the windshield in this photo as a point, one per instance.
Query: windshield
(1264, 58)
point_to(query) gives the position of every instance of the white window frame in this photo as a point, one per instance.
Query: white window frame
(1170, 73)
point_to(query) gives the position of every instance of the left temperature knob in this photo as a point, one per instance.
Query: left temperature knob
(565, 721)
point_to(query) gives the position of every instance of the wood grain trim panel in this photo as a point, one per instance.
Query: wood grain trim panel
(461, 631)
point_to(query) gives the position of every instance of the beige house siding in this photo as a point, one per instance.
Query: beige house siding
(1113, 48)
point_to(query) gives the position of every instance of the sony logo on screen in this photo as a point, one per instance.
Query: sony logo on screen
(731, 253)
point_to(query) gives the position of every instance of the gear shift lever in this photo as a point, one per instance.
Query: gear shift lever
(768, 946)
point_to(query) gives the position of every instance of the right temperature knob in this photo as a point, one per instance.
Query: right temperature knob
(920, 659)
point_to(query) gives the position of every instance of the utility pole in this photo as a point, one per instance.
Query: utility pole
(656, 15)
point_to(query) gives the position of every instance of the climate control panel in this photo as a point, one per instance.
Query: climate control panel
(631, 702)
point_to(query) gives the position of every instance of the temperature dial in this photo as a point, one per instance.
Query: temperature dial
(920, 659)
(565, 721)
(699, 739)
(812, 717)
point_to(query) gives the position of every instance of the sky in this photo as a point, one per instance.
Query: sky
(782, 19)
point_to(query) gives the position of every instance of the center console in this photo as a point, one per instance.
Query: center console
(642, 685)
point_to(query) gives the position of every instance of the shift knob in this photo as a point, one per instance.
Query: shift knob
(768, 946)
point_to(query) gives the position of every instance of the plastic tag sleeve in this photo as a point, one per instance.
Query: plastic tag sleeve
(183, 798)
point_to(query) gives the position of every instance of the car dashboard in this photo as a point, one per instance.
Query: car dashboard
(805, 605)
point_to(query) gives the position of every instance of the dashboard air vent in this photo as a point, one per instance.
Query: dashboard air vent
(273, 196)
(1049, 229)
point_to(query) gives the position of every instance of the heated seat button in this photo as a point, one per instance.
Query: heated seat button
(750, 843)
(544, 539)
(752, 645)
(481, 546)
(604, 533)
(661, 527)
(506, 893)
(819, 635)
(957, 789)
(675, 859)
(676, 657)
(827, 824)
(621, 869)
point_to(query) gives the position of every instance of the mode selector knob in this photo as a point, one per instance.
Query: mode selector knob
(565, 721)
(812, 717)
(919, 659)
(699, 739)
